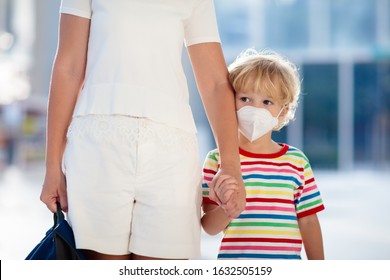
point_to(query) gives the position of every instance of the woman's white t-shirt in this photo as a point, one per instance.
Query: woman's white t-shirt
(134, 56)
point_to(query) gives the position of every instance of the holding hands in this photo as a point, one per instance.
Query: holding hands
(229, 193)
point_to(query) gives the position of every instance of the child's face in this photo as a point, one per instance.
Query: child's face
(258, 100)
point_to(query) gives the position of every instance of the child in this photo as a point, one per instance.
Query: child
(282, 195)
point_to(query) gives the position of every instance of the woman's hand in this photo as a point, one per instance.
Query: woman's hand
(225, 186)
(53, 190)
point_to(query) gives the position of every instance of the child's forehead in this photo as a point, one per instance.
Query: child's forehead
(264, 84)
(257, 82)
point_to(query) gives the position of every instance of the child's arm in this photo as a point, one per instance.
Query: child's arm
(214, 219)
(310, 229)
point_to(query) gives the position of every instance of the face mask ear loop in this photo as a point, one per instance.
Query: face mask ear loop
(277, 117)
(281, 110)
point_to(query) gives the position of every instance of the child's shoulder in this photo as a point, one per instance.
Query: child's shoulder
(211, 160)
(293, 149)
(295, 152)
(213, 154)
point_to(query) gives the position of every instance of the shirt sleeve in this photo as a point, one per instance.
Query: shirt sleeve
(307, 197)
(210, 168)
(201, 26)
(81, 8)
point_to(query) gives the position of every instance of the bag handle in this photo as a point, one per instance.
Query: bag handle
(59, 215)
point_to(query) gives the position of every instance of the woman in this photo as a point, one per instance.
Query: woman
(121, 145)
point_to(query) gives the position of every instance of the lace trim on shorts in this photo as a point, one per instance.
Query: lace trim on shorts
(106, 128)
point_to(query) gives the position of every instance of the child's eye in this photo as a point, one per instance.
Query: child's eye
(267, 102)
(245, 99)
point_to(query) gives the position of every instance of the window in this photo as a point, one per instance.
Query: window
(372, 112)
(233, 22)
(353, 23)
(287, 24)
(320, 83)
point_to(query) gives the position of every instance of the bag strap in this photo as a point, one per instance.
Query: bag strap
(59, 215)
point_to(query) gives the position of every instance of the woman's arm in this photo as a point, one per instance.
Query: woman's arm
(310, 229)
(66, 82)
(217, 94)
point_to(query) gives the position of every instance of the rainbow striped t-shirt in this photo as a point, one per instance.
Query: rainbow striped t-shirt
(280, 189)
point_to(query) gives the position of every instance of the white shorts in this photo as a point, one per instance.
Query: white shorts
(133, 187)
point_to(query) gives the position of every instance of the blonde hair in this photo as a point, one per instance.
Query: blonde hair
(269, 73)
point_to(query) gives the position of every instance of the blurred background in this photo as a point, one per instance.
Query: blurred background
(342, 48)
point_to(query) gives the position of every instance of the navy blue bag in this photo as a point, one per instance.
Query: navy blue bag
(58, 243)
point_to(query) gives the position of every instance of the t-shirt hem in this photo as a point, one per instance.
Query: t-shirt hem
(194, 41)
(136, 101)
(75, 12)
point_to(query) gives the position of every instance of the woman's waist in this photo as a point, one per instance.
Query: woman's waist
(138, 102)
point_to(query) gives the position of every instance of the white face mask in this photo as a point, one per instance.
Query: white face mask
(255, 122)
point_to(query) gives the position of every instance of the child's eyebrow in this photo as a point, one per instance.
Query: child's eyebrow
(252, 93)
